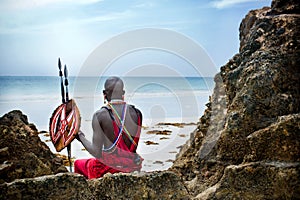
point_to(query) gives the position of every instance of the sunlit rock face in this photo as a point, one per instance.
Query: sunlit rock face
(257, 149)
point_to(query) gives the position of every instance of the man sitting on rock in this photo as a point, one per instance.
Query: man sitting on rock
(116, 132)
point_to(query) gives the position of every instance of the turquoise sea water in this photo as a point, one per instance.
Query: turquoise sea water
(159, 98)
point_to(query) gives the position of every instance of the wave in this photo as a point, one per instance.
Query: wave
(168, 94)
(138, 95)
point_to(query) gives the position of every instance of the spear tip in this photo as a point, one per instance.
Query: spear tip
(66, 71)
(59, 63)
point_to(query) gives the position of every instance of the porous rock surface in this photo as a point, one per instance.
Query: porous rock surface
(253, 151)
(23, 154)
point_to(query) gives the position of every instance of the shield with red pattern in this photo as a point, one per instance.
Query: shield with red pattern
(64, 124)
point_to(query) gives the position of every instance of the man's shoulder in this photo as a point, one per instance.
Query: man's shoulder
(102, 112)
(135, 109)
(132, 107)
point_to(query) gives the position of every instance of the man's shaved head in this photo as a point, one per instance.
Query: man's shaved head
(113, 88)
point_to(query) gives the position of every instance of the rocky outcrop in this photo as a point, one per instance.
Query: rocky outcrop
(255, 155)
(60, 186)
(23, 154)
(156, 185)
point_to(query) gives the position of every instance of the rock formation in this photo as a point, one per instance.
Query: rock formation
(246, 145)
(23, 154)
(255, 155)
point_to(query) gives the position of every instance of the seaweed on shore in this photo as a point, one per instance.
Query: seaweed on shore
(158, 132)
(151, 143)
(179, 125)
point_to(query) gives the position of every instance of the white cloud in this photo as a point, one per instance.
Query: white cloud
(64, 25)
(13, 5)
(20, 17)
(220, 4)
(145, 5)
(107, 17)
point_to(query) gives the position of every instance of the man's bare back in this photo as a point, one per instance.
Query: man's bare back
(104, 117)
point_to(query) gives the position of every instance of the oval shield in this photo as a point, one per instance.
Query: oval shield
(64, 124)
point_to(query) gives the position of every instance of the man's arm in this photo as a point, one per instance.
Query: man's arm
(94, 147)
(140, 114)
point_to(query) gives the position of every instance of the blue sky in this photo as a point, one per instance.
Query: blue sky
(34, 33)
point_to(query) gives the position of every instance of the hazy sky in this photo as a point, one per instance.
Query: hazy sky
(34, 33)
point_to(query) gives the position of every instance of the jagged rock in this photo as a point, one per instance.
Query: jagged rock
(265, 83)
(155, 185)
(4, 153)
(261, 87)
(259, 180)
(23, 154)
(285, 7)
(62, 186)
(279, 141)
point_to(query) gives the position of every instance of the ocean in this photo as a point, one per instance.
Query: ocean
(158, 98)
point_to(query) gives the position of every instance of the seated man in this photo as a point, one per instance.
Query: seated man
(116, 132)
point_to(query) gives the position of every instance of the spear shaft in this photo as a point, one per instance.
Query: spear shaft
(67, 99)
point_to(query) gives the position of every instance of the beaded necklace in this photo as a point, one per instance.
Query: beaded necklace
(116, 101)
(122, 120)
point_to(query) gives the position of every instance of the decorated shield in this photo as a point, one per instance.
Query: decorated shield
(64, 124)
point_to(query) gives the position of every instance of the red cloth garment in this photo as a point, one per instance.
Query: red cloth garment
(121, 159)
(92, 168)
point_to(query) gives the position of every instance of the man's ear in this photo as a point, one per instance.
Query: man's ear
(123, 92)
(104, 92)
